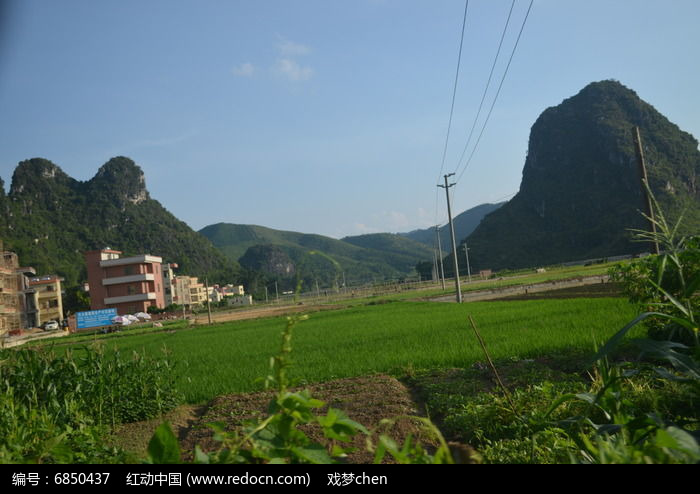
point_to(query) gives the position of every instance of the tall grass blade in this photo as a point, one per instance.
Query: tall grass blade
(614, 342)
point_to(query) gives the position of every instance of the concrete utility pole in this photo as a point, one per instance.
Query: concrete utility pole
(452, 235)
(645, 184)
(277, 295)
(442, 267)
(469, 270)
(434, 274)
(265, 293)
(206, 286)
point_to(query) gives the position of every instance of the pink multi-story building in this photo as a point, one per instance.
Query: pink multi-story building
(128, 284)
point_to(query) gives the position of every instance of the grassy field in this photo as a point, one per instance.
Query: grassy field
(396, 338)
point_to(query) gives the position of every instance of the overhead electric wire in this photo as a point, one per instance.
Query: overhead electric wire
(452, 107)
(488, 84)
(498, 92)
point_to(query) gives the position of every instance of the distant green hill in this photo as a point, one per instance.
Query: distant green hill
(50, 219)
(315, 257)
(464, 224)
(581, 191)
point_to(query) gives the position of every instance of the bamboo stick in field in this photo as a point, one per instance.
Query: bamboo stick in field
(493, 367)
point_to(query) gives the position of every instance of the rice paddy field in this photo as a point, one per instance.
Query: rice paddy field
(429, 289)
(397, 338)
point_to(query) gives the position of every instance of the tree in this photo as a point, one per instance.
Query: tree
(75, 300)
(425, 270)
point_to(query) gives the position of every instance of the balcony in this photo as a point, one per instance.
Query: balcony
(139, 297)
(117, 280)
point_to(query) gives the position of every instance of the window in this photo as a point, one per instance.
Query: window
(132, 289)
(128, 270)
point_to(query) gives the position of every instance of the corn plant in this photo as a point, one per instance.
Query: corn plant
(57, 408)
(666, 286)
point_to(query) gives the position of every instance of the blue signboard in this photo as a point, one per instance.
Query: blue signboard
(95, 318)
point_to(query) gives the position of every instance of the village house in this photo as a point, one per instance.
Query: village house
(128, 284)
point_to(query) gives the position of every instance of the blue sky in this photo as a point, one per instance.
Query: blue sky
(321, 116)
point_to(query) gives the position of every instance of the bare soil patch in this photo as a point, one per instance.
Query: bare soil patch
(586, 291)
(367, 400)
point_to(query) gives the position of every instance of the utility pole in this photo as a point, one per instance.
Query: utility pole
(469, 270)
(452, 235)
(645, 186)
(265, 293)
(434, 274)
(442, 267)
(277, 295)
(206, 286)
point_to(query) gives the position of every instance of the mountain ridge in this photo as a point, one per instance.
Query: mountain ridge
(581, 191)
(52, 218)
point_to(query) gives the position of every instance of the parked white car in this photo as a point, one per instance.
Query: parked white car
(50, 326)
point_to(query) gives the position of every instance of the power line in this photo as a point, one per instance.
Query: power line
(500, 86)
(488, 83)
(452, 106)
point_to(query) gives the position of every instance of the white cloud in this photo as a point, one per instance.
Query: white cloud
(244, 70)
(286, 65)
(289, 48)
(290, 69)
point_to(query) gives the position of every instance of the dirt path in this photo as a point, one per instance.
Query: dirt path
(525, 290)
(269, 311)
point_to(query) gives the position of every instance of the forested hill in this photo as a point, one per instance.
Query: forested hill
(580, 192)
(288, 255)
(464, 224)
(50, 219)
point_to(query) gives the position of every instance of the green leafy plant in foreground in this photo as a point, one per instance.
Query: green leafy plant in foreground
(667, 284)
(278, 437)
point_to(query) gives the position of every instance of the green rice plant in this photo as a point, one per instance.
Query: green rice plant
(229, 358)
